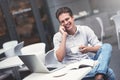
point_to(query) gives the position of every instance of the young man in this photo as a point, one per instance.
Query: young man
(71, 36)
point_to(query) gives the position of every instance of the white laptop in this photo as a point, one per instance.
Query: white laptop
(35, 64)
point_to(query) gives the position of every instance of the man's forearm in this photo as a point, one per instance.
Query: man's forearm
(60, 53)
(85, 49)
(93, 48)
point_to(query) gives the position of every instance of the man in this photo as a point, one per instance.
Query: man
(71, 36)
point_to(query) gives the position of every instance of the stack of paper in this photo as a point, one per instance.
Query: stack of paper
(85, 62)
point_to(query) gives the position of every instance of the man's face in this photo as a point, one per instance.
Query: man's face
(66, 21)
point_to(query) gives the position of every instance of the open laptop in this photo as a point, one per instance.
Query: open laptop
(35, 64)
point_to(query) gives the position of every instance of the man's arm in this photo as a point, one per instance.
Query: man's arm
(92, 40)
(85, 49)
(61, 51)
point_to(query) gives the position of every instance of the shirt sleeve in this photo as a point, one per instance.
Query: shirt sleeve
(92, 38)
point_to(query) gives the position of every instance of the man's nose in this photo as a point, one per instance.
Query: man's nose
(66, 22)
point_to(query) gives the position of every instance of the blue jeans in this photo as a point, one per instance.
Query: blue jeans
(103, 56)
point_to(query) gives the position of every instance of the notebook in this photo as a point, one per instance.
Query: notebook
(83, 64)
(35, 64)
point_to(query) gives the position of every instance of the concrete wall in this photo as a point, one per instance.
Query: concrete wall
(75, 5)
(108, 6)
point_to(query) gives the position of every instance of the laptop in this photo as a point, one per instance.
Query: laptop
(35, 64)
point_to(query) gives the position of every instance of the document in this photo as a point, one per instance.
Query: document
(76, 66)
(82, 64)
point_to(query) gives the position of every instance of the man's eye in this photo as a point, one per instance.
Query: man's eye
(67, 19)
(62, 22)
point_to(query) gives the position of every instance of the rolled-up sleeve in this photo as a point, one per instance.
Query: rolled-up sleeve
(92, 38)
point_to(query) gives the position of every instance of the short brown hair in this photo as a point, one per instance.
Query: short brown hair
(63, 10)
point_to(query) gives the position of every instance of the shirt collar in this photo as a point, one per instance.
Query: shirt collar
(77, 32)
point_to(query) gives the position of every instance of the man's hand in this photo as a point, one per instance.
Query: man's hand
(63, 31)
(83, 49)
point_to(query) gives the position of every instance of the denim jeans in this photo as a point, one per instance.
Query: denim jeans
(103, 56)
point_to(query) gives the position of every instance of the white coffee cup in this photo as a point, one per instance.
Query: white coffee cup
(75, 49)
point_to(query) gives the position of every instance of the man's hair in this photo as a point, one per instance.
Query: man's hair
(63, 10)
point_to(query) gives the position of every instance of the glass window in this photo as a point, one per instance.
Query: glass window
(46, 21)
(25, 23)
(3, 30)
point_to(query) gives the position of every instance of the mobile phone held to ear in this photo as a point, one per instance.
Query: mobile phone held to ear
(64, 29)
